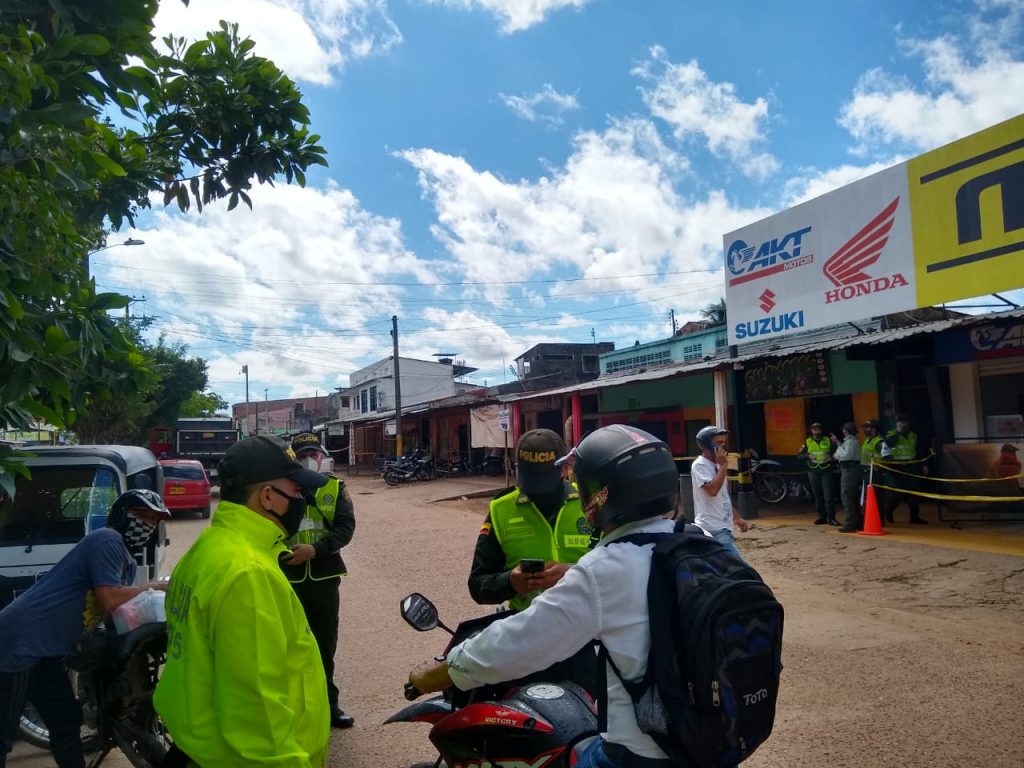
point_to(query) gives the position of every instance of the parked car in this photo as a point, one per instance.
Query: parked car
(67, 497)
(186, 486)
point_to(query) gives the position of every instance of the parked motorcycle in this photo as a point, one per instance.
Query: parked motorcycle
(113, 677)
(457, 466)
(493, 465)
(414, 466)
(772, 483)
(519, 723)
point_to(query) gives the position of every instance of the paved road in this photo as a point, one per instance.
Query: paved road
(896, 653)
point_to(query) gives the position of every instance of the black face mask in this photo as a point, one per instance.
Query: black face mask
(292, 517)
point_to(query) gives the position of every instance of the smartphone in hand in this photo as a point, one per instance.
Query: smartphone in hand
(529, 565)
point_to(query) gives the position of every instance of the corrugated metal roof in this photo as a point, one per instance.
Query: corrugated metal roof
(834, 337)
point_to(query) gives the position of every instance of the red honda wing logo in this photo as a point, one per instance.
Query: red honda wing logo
(847, 265)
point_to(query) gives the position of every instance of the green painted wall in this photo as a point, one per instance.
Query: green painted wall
(849, 376)
(684, 392)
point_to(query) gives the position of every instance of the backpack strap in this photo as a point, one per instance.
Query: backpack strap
(634, 688)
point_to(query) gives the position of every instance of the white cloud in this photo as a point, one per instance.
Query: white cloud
(813, 183)
(515, 15)
(971, 81)
(546, 105)
(693, 105)
(311, 40)
(610, 214)
(271, 287)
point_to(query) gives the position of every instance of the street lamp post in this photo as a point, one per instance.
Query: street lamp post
(245, 370)
(85, 258)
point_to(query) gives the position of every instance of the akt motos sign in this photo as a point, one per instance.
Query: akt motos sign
(943, 226)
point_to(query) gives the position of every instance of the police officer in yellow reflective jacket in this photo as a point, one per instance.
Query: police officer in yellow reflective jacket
(540, 519)
(243, 684)
(902, 451)
(818, 451)
(314, 565)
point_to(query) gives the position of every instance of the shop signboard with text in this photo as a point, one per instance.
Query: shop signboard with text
(944, 226)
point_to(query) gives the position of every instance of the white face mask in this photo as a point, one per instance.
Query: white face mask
(311, 462)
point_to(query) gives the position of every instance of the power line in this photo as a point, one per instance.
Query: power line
(223, 279)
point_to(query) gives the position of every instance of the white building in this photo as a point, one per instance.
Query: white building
(371, 390)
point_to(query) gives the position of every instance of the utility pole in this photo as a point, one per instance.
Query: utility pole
(245, 370)
(398, 388)
(266, 412)
(672, 315)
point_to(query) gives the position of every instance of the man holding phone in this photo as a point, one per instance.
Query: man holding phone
(713, 510)
(533, 532)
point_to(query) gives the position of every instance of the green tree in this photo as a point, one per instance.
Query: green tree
(196, 122)
(137, 406)
(714, 313)
(203, 404)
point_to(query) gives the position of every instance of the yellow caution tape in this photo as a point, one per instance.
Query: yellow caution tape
(951, 479)
(887, 462)
(946, 497)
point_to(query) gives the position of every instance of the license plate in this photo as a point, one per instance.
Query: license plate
(177, 489)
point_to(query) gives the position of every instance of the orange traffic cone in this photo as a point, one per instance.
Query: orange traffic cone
(872, 520)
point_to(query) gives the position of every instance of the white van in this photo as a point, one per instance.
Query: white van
(68, 496)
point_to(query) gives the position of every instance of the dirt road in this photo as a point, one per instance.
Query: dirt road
(895, 654)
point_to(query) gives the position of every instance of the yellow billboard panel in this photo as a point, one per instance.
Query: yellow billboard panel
(967, 215)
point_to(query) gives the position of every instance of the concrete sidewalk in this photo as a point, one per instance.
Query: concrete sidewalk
(1005, 538)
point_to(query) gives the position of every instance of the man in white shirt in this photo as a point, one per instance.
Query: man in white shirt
(713, 510)
(628, 484)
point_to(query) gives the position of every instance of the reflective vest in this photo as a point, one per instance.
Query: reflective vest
(315, 526)
(243, 683)
(871, 450)
(819, 453)
(905, 447)
(524, 533)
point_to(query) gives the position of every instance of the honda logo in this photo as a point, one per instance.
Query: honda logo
(846, 267)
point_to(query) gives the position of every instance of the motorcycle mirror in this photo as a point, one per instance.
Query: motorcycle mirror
(419, 612)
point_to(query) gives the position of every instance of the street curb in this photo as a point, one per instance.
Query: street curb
(485, 494)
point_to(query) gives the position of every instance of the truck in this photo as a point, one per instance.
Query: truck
(204, 439)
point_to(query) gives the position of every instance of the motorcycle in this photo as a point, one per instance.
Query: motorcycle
(457, 466)
(520, 723)
(772, 484)
(413, 466)
(113, 677)
(493, 465)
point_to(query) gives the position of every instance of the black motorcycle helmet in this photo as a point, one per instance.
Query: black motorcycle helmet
(623, 474)
(118, 517)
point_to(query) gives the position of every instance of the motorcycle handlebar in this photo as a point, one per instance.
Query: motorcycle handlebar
(411, 692)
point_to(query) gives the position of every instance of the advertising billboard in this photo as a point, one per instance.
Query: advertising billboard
(944, 226)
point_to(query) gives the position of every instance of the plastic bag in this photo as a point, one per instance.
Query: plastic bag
(145, 608)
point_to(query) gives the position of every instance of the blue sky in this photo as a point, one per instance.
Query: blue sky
(506, 172)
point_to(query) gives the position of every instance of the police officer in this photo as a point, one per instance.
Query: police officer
(539, 519)
(848, 457)
(902, 448)
(314, 566)
(243, 683)
(871, 452)
(818, 451)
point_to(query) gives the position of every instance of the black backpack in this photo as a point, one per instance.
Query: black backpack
(708, 696)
